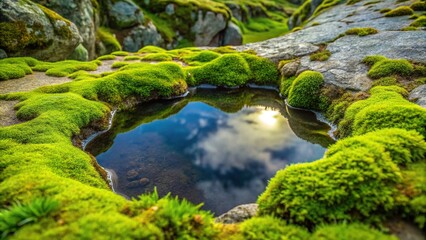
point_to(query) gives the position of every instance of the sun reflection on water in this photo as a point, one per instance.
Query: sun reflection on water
(269, 117)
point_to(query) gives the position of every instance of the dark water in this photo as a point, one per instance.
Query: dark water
(219, 147)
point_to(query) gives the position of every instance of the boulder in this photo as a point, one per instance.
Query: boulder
(141, 36)
(418, 95)
(207, 26)
(82, 14)
(290, 69)
(124, 14)
(28, 29)
(3, 54)
(80, 54)
(232, 35)
(238, 214)
(132, 174)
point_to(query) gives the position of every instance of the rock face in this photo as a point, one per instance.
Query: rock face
(207, 26)
(344, 67)
(238, 214)
(232, 35)
(125, 14)
(82, 14)
(27, 29)
(80, 54)
(418, 95)
(141, 36)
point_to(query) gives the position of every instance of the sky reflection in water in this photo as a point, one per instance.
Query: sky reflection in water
(204, 154)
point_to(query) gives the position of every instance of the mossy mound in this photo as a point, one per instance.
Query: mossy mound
(399, 11)
(320, 56)
(361, 31)
(157, 57)
(12, 68)
(305, 90)
(108, 40)
(354, 231)
(419, 22)
(383, 67)
(64, 68)
(418, 6)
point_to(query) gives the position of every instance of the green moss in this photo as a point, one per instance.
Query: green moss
(263, 71)
(151, 49)
(342, 187)
(355, 231)
(419, 22)
(64, 68)
(399, 11)
(371, 60)
(200, 57)
(361, 31)
(305, 89)
(271, 228)
(119, 64)
(120, 53)
(286, 85)
(337, 109)
(12, 68)
(386, 81)
(385, 108)
(320, 56)
(158, 57)
(385, 10)
(409, 28)
(107, 57)
(383, 67)
(14, 36)
(108, 39)
(132, 58)
(418, 6)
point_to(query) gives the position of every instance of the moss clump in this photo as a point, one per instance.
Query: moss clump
(271, 228)
(385, 10)
(198, 58)
(386, 81)
(352, 2)
(158, 57)
(418, 6)
(107, 57)
(14, 36)
(12, 68)
(320, 56)
(108, 39)
(305, 89)
(419, 22)
(399, 11)
(361, 31)
(338, 188)
(385, 108)
(64, 68)
(337, 108)
(132, 58)
(119, 64)
(355, 231)
(384, 67)
(151, 49)
(120, 53)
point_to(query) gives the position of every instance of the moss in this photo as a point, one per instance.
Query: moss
(200, 57)
(132, 58)
(361, 31)
(120, 53)
(399, 11)
(305, 89)
(107, 57)
(385, 10)
(151, 49)
(352, 2)
(409, 28)
(107, 38)
(386, 81)
(271, 228)
(355, 231)
(12, 68)
(320, 56)
(385, 108)
(158, 57)
(14, 36)
(338, 188)
(337, 108)
(119, 64)
(64, 68)
(419, 22)
(388, 67)
(418, 6)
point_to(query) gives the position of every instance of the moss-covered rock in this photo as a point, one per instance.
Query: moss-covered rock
(361, 31)
(80, 54)
(305, 90)
(399, 11)
(106, 41)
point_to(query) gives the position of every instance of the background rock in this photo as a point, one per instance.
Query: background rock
(124, 14)
(141, 36)
(207, 26)
(232, 35)
(238, 214)
(418, 95)
(80, 53)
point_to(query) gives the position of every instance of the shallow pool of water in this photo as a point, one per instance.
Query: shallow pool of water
(219, 147)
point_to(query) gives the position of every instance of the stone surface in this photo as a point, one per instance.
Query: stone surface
(207, 26)
(3, 54)
(141, 36)
(132, 174)
(125, 14)
(418, 95)
(232, 35)
(290, 69)
(80, 53)
(344, 68)
(31, 30)
(238, 214)
(82, 14)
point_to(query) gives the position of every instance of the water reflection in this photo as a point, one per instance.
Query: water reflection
(219, 148)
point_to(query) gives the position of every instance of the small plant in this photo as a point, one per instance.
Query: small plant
(19, 214)
(399, 11)
(361, 31)
(151, 49)
(305, 89)
(321, 56)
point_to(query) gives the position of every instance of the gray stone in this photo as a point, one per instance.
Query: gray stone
(132, 174)
(141, 36)
(418, 95)
(233, 35)
(3, 54)
(48, 37)
(170, 9)
(125, 14)
(238, 214)
(144, 181)
(82, 14)
(80, 54)
(290, 69)
(207, 26)
(236, 10)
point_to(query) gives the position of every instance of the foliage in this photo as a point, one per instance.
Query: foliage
(132, 58)
(119, 64)
(355, 231)
(399, 11)
(305, 89)
(337, 109)
(361, 31)
(286, 85)
(271, 228)
(320, 56)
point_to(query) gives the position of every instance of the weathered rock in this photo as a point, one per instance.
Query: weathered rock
(418, 95)
(290, 69)
(236, 10)
(207, 26)
(170, 9)
(125, 14)
(232, 35)
(144, 181)
(141, 36)
(80, 54)
(82, 14)
(132, 175)
(3, 54)
(238, 214)
(28, 29)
